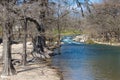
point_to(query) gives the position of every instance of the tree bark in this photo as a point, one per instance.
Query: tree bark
(8, 68)
(2, 57)
(24, 56)
(59, 31)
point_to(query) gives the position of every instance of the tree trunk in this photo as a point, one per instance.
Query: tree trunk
(59, 36)
(59, 33)
(8, 68)
(24, 56)
(2, 57)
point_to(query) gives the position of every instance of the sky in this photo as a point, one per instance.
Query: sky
(90, 0)
(81, 0)
(73, 1)
(96, 1)
(73, 4)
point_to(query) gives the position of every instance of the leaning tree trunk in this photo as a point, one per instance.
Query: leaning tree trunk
(8, 68)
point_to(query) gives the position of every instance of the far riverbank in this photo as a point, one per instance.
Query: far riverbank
(86, 39)
(107, 43)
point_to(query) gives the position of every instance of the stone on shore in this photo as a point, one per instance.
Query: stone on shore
(81, 38)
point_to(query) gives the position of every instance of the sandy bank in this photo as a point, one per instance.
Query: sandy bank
(107, 43)
(34, 72)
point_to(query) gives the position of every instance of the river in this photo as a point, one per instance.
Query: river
(88, 62)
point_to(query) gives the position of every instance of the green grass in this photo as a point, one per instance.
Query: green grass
(67, 32)
(89, 41)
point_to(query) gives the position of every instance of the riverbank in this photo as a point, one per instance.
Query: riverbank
(107, 43)
(34, 70)
(85, 38)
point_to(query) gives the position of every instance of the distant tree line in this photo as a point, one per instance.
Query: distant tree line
(103, 24)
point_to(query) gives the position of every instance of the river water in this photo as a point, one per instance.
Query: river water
(88, 62)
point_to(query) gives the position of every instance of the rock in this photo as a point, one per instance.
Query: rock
(43, 57)
(47, 56)
(81, 38)
(47, 51)
(29, 43)
(18, 48)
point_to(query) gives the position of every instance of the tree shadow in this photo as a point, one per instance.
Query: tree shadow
(5, 79)
(27, 69)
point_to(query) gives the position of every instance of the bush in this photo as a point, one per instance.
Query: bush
(89, 41)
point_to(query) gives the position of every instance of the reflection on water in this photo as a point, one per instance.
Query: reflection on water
(89, 62)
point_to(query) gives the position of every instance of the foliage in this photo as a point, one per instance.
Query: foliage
(104, 22)
(90, 41)
(68, 32)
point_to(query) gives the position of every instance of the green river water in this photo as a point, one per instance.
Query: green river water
(88, 62)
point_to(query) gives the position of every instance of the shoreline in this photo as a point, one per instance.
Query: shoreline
(34, 72)
(107, 43)
(85, 38)
(40, 70)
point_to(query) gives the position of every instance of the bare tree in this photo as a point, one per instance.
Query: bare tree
(7, 20)
(105, 21)
(10, 12)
